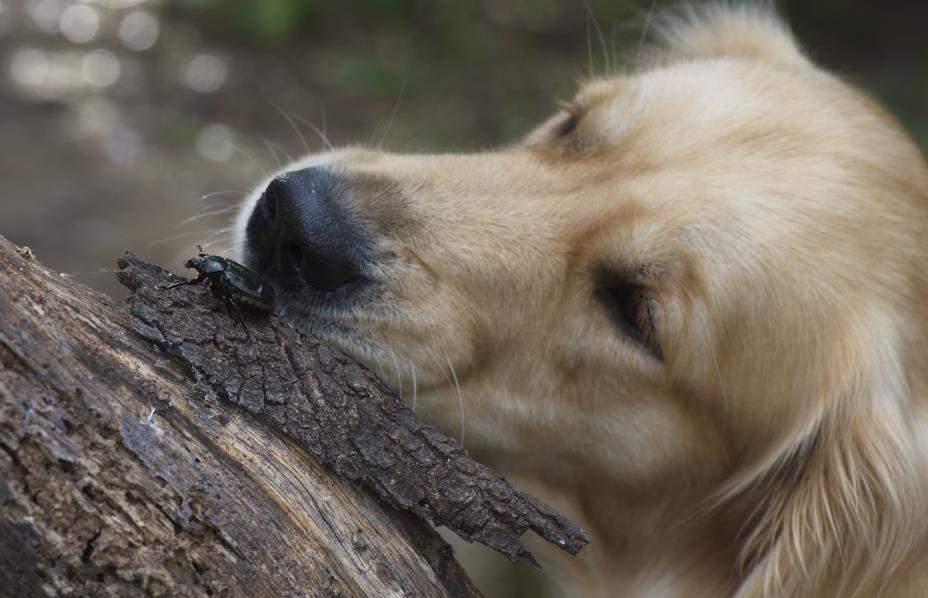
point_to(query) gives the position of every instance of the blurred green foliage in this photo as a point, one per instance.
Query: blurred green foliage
(281, 21)
(434, 51)
(269, 21)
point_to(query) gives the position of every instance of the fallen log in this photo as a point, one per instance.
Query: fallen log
(152, 446)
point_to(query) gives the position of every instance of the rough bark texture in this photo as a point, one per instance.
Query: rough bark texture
(100, 496)
(339, 412)
(123, 472)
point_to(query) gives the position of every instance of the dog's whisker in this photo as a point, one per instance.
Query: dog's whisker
(238, 192)
(602, 40)
(644, 33)
(270, 150)
(218, 243)
(321, 133)
(281, 149)
(325, 121)
(73, 274)
(440, 367)
(589, 48)
(457, 388)
(207, 214)
(221, 237)
(222, 232)
(412, 367)
(396, 107)
(172, 238)
(296, 129)
(254, 161)
(396, 367)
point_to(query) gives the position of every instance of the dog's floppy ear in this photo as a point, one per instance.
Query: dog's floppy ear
(845, 505)
(717, 30)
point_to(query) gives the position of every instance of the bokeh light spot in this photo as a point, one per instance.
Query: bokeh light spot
(29, 67)
(45, 14)
(139, 31)
(205, 73)
(216, 143)
(101, 68)
(79, 23)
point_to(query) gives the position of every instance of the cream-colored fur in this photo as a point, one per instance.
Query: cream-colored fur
(770, 435)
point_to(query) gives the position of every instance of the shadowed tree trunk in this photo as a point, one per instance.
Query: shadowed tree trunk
(152, 446)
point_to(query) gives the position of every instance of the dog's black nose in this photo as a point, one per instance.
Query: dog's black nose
(298, 233)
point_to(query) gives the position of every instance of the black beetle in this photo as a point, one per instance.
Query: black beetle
(232, 283)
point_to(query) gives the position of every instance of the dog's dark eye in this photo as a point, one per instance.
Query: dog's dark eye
(566, 126)
(631, 309)
(572, 112)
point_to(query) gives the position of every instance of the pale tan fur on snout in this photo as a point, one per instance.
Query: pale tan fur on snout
(769, 435)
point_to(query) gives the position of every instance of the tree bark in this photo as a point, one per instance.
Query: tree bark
(152, 446)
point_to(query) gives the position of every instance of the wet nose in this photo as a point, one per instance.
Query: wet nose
(299, 234)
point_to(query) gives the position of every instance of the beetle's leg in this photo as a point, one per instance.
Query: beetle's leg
(226, 300)
(196, 280)
(229, 301)
(241, 318)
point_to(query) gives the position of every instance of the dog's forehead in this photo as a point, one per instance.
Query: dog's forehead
(715, 86)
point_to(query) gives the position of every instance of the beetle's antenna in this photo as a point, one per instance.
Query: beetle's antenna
(200, 249)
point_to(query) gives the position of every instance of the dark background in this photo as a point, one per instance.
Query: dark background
(117, 117)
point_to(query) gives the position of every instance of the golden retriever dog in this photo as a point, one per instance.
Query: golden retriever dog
(690, 310)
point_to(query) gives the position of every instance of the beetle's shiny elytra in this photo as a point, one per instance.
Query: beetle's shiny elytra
(231, 282)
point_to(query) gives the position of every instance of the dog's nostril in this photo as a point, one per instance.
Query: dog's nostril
(291, 257)
(272, 196)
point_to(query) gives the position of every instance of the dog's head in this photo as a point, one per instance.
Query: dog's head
(700, 278)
